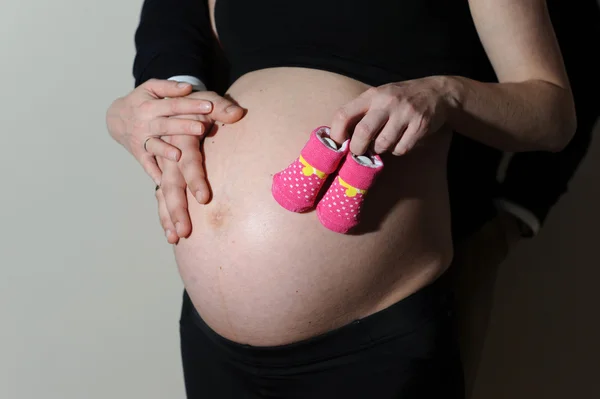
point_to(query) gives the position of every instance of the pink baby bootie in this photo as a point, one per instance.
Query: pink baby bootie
(339, 210)
(296, 187)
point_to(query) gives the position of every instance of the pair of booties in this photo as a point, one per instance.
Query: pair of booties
(297, 187)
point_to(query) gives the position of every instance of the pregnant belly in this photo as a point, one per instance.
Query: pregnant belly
(261, 275)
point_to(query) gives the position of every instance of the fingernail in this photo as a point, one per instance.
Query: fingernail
(167, 233)
(400, 151)
(173, 156)
(178, 227)
(182, 85)
(199, 196)
(206, 106)
(197, 128)
(231, 108)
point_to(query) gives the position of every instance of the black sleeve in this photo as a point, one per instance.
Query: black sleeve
(537, 180)
(174, 37)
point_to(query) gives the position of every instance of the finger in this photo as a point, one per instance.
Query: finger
(367, 130)
(160, 88)
(388, 138)
(150, 166)
(347, 116)
(157, 147)
(180, 106)
(173, 187)
(224, 110)
(390, 135)
(414, 132)
(172, 126)
(191, 166)
(165, 219)
(161, 163)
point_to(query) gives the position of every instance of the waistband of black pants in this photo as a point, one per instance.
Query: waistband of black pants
(430, 303)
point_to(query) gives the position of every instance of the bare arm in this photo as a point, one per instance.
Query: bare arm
(532, 106)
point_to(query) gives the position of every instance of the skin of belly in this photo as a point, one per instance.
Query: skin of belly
(261, 275)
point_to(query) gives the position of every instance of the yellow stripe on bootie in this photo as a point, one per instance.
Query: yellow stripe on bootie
(309, 170)
(351, 191)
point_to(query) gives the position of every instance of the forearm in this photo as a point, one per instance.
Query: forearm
(525, 116)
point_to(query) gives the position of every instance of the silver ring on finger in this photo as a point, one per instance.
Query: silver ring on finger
(146, 143)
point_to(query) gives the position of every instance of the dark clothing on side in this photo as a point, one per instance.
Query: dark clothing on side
(406, 351)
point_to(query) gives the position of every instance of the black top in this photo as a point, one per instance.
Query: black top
(377, 42)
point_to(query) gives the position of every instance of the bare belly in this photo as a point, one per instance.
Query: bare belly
(261, 275)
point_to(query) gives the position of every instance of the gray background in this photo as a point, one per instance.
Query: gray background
(89, 292)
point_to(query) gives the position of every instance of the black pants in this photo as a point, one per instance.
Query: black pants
(406, 351)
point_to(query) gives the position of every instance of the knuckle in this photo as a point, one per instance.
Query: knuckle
(363, 129)
(148, 83)
(162, 126)
(219, 102)
(187, 126)
(342, 114)
(189, 163)
(177, 210)
(176, 106)
(168, 188)
(391, 99)
(410, 107)
(146, 107)
(158, 126)
(372, 91)
(195, 127)
(205, 95)
(383, 141)
(173, 190)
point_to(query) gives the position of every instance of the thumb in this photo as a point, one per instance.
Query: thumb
(161, 88)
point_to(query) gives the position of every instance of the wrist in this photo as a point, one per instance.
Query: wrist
(454, 90)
